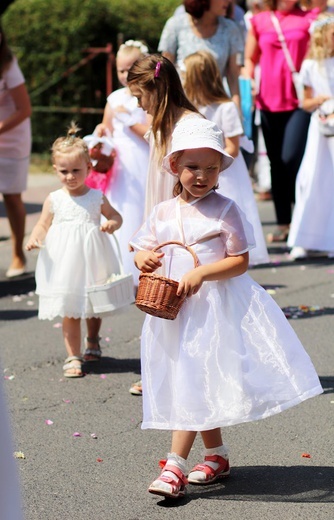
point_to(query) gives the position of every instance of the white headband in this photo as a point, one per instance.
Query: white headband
(136, 44)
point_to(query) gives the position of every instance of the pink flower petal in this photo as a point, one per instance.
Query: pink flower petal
(48, 422)
(76, 434)
(103, 376)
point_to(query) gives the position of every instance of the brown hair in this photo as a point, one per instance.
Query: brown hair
(203, 82)
(196, 8)
(157, 75)
(70, 144)
(6, 55)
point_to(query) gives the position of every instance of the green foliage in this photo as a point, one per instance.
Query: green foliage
(49, 38)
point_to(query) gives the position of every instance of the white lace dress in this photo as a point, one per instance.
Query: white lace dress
(76, 255)
(230, 356)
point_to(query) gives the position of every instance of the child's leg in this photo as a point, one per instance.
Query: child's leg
(216, 463)
(93, 350)
(72, 339)
(172, 480)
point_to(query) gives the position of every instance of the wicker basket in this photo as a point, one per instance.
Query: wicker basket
(156, 294)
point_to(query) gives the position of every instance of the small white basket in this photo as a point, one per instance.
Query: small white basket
(115, 293)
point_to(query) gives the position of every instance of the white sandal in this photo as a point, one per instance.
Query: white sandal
(73, 363)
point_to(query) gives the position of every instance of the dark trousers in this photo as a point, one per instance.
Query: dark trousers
(285, 135)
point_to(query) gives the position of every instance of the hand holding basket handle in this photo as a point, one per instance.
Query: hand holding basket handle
(156, 294)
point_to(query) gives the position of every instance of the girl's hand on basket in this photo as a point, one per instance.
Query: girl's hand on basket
(148, 261)
(190, 283)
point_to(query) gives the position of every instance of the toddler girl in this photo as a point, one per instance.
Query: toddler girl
(203, 86)
(230, 356)
(127, 123)
(312, 225)
(76, 252)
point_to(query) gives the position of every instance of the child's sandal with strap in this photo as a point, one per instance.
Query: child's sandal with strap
(170, 486)
(73, 367)
(207, 474)
(92, 354)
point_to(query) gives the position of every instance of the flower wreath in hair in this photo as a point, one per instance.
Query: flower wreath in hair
(136, 44)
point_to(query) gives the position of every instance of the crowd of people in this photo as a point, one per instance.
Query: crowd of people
(180, 175)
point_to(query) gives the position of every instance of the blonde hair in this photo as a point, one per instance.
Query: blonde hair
(130, 46)
(203, 83)
(319, 48)
(71, 144)
(156, 75)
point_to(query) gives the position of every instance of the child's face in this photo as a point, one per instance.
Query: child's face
(198, 171)
(72, 170)
(124, 63)
(146, 100)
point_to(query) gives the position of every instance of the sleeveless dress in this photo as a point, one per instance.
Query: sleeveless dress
(235, 182)
(230, 356)
(76, 255)
(126, 191)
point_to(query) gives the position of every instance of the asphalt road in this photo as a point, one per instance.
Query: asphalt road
(79, 477)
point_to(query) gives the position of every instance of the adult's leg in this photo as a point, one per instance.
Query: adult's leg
(273, 127)
(16, 214)
(294, 144)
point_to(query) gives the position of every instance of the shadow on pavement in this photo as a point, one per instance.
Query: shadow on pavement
(109, 365)
(294, 484)
(20, 285)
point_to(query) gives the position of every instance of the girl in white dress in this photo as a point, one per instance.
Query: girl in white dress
(203, 86)
(76, 253)
(128, 124)
(230, 356)
(312, 226)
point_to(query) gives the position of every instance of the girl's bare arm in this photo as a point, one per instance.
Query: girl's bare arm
(40, 230)
(114, 219)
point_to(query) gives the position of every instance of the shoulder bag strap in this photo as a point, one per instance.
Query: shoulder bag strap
(281, 38)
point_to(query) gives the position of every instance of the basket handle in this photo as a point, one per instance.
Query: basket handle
(188, 248)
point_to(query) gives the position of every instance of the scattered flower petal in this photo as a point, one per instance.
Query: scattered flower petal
(76, 434)
(103, 376)
(67, 401)
(17, 299)
(57, 326)
(48, 422)
(107, 339)
(10, 378)
(93, 435)
(31, 293)
(30, 303)
(99, 460)
(19, 455)
(271, 291)
(306, 455)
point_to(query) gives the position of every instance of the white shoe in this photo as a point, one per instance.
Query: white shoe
(297, 253)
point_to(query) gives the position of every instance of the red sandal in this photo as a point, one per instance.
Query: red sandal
(177, 484)
(210, 474)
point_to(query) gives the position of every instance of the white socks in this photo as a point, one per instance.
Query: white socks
(222, 451)
(174, 460)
